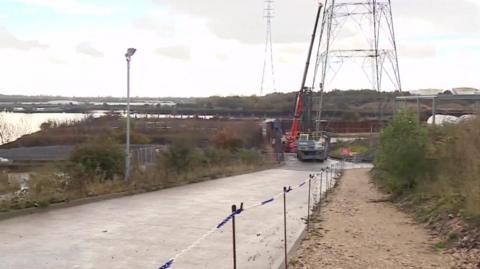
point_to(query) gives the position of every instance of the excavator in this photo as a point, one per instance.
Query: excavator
(308, 146)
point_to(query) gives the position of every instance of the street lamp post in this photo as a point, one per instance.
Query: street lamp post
(128, 56)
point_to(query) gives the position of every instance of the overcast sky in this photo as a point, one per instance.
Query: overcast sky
(210, 47)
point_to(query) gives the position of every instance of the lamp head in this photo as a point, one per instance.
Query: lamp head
(130, 53)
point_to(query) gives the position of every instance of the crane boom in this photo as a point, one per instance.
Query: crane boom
(292, 136)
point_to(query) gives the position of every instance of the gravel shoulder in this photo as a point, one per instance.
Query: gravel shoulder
(357, 230)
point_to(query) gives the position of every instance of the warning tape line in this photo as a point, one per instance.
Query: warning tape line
(169, 263)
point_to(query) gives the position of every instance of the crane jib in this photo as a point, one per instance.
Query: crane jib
(298, 107)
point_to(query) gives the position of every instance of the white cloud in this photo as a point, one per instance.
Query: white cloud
(69, 6)
(175, 52)
(151, 23)
(243, 20)
(216, 47)
(9, 41)
(87, 49)
(221, 56)
(418, 51)
(445, 17)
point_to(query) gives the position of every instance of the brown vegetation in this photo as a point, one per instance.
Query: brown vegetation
(96, 167)
(434, 172)
(144, 131)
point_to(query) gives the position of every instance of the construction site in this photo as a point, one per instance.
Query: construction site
(326, 175)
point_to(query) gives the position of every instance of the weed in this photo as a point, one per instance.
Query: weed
(435, 170)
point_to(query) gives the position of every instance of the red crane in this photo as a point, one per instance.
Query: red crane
(291, 137)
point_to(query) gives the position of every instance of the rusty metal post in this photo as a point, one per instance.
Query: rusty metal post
(308, 203)
(285, 225)
(234, 209)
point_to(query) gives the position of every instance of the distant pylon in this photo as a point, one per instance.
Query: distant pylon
(376, 52)
(268, 58)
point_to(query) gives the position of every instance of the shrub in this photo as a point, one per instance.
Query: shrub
(401, 158)
(99, 158)
(249, 156)
(43, 189)
(225, 139)
(135, 138)
(5, 185)
(178, 157)
(217, 156)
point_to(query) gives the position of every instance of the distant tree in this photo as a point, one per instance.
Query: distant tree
(100, 157)
(225, 139)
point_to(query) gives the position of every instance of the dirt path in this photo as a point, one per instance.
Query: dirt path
(354, 232)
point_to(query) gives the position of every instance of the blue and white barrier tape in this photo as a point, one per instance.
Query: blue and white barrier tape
(268, 201)
(166, 265)
(170, 262)
(229, 217)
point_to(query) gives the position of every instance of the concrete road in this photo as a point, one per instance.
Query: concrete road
(145, 230)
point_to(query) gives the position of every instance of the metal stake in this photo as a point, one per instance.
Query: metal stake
(234, 209)
(308, 204)
(285, 224)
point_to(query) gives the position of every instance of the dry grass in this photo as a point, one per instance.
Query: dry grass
(456, 152)
(5, 186)
(195, 160)
(47, 185)
(144, 131)
(448, 185)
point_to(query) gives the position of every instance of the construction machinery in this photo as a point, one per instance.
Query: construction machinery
(313, 146)
(308, 146)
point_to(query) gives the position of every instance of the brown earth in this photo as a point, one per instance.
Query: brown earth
(357, 229)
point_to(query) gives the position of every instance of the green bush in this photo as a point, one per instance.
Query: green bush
(179, 157)
(401, 158)
(249, 156)
(226, 139)
(218, 156)
(99, 158)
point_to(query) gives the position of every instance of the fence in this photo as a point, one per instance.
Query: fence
(319, 186)
(144, 155)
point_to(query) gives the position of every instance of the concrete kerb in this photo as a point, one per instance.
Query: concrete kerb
(104, 197)
(293, 247)
(302, 235)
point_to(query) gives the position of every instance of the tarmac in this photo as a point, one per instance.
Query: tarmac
(145, 230)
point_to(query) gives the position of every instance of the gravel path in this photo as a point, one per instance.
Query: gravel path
(357, 230)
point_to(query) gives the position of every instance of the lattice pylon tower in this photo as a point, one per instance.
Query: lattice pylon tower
(377, 54)
(268, 63)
